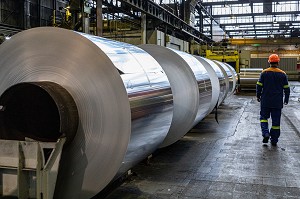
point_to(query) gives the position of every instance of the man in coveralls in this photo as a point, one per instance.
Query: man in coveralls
(269, 92)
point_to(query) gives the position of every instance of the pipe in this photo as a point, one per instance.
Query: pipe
(128, 98)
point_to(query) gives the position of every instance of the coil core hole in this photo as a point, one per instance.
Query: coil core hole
(42, 111)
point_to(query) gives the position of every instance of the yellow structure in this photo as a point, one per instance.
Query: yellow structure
(231, 57)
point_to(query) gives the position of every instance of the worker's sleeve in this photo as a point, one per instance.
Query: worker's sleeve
(286, 88)
(259, 86)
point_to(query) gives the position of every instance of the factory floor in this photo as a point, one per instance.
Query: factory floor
(225, 160)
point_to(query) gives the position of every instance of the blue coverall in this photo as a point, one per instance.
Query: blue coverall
(269, 90)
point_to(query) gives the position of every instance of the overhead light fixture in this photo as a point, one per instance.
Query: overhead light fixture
(274, 16)
(226, 5)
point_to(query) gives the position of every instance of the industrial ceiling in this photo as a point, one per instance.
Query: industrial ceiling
(251, 18)
(199, 20)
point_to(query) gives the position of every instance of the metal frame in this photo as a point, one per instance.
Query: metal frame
(19, 160)
(166, 18)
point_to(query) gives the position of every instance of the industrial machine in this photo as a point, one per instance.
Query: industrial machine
(230, 57)
(112, 103)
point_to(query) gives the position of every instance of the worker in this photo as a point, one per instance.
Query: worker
(270, 87)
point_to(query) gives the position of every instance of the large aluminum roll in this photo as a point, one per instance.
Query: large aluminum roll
(204, 84)
(115, 78)
(215, 83)
(184, 88)
(75, 63)
(149, 94)
(235, 78)
(122, 99)
(228, 76)
(222, 82)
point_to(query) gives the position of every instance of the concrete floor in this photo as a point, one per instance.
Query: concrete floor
(225, 160)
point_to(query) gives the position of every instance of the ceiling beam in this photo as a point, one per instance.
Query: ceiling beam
(263, 29)
(258, 34)
(254, 23)
(285, 41)
(236, 2)
(255, 14)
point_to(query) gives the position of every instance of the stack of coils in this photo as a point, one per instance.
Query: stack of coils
(114, 102)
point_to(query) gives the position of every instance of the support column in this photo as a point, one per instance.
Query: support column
(0, 11)
(99, 18)
(144, 28)
(39, 11)
(85, 18)
(54, 13)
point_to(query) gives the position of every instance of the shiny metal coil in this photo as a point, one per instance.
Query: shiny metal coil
(130, 100)
(149, 94)
(222, 80)
(249, 77)
(203, 84)
(184, 89)
(84, 70)
(235, 78)
(215, 83)
(227, 75)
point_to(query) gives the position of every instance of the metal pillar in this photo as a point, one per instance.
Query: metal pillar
(144, 28)
(99, 18)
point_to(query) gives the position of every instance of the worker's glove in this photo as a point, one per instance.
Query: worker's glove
(258, 99)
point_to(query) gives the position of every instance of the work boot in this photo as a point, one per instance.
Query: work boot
(274, 143)
(266, 139)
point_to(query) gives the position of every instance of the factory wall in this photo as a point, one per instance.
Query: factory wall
(159, 38)
(286, 64)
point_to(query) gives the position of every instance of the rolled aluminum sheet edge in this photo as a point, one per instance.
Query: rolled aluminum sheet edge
(221, 78)
(230, 76)
(214, 81)
(149, 94)
(203, 84)
(234, 77)
(184, 90)
(227, 78)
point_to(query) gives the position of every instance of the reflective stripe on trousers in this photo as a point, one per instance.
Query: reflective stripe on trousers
(275, 114)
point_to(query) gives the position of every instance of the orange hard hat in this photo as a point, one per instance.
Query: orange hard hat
(273, 58)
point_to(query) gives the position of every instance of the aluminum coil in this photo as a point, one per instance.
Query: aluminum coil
(130, 100)
(149, 94)
(208, 64)
(235, 77)
(222, 82)
(184, 88)
(228, 76)
(84, 70)
(204, 84)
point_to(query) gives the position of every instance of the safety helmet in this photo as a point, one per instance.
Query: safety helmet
(273, 58)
